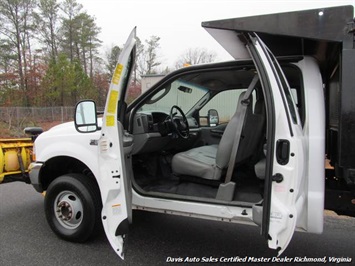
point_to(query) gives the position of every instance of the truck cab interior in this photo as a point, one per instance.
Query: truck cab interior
(184, 131)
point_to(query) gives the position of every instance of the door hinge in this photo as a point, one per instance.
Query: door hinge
(278, 178)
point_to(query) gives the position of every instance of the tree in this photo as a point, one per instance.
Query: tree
(65, 43)
(65, 83)
(139, 64)
(134, 90)
(35, 74)
(195, 56)
(111, 59)
(80, 36)
(16, 26)
(147, 57)
(8, 73)
(151, 54)
(101, 83)
(47, 21)
(88, 42)
(69, 28)
(8, 77)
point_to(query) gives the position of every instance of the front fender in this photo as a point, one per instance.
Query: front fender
(80, 147)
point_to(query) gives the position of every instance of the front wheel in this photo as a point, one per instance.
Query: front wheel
(73, 206)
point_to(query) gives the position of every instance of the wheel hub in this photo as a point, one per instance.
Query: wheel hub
(65, 210)
(68, 209)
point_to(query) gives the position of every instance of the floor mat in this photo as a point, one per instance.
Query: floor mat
(180, 188)
(248, 187)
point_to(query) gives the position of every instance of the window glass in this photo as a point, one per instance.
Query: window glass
(294, 95)
(225, 103)
(179, 92)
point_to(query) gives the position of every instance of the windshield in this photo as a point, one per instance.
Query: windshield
(179, 92)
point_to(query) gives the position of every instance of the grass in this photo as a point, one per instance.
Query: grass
(11, 131)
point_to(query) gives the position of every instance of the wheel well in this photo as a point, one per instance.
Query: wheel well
(61, 165)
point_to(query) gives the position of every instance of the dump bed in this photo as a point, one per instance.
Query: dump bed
(327, 34)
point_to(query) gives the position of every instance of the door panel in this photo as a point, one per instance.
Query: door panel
(285, 151)
(113, 175)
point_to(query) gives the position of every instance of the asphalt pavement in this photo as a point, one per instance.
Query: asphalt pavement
(159, 239)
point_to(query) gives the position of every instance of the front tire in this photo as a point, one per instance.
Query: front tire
(72, 206)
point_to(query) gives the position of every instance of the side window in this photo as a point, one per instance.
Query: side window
(225, 103)
(294, 95)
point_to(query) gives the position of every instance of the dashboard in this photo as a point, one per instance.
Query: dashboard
(156, 122)
(152, 131)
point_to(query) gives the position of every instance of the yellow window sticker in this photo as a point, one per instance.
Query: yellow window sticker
(117, 74)
(110, 120)
(112, 102)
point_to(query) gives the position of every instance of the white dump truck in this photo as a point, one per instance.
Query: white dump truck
(243, 141)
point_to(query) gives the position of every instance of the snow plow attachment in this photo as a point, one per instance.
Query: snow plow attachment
(15, 157)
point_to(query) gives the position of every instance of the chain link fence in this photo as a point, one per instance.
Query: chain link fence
(19, 116)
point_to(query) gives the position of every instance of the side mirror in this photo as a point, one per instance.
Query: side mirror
(34, 132)
(85, 117)
(212, 117)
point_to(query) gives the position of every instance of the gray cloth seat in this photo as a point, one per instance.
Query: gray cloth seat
(208, 162)
(200, 162)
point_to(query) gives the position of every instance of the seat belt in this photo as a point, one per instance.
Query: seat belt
(241, 111)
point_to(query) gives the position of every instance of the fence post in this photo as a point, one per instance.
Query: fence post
(17, 116)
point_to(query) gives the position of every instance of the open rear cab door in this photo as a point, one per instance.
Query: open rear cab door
(284, 192)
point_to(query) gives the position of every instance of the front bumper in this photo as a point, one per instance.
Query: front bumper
(34, 170)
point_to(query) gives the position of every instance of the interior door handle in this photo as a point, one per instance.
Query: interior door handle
(282, 151)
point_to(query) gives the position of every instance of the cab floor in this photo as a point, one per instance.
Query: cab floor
(250, 191)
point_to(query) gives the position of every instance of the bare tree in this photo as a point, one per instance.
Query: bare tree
(16, 26)
(139, 67)
(151, 54)
(195, 56)
(147, 56)
(47, 21)
(111, 59)
(33, 35)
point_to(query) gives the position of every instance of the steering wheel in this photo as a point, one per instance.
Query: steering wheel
(180, 123)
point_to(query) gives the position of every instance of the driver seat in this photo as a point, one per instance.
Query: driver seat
(209, 162)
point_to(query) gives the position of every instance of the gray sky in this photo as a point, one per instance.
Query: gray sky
(178, 22)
